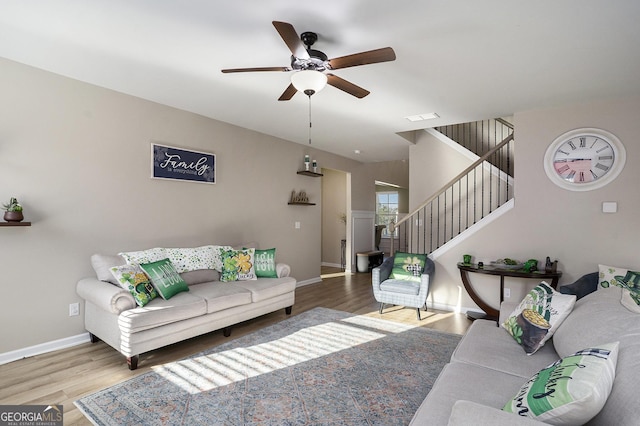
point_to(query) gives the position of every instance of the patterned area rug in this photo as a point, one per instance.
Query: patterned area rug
(321, 367)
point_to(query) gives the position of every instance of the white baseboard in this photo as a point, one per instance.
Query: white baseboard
(452, 308)
(309, 281)
(332, 265)
(42, 348)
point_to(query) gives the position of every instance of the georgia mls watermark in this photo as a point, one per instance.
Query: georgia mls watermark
(30, 415)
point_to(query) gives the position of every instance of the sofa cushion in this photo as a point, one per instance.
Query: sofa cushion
(265, 263)
(468, 382)
(133, 278)
(601, 317)
(572, 390)
(492, 347)
(266, 288)
(102, 264)
(160, 312)
(408, 266)
(220, 296)
(237, 265)
(164, 278)
(538, 316)
(200, 276)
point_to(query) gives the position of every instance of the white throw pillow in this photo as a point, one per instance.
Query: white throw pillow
(570, 391)
(538, 316)
(144, 256)
(191, 259)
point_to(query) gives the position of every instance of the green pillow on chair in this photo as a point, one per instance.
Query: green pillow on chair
(408, 266)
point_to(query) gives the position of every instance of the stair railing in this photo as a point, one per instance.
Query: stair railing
(463, 201)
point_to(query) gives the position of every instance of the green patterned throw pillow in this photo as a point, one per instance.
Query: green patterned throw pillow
(538, 316)
(408, 266)
(570, 391)
(133, 278)
(164, 278)
(237, 265)
(631, 282)
(607, 276)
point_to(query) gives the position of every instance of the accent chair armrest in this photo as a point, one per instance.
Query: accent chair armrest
(466, 413)
(381, 273)
(104, 295)
(282, 270)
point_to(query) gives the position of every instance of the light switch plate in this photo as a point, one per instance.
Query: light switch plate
(609, 207)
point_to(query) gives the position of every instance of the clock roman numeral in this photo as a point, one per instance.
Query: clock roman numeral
(594, 142)
(595, 176)
(563, 169)
(602, 149)
(571, 175)
(605, 157)
(572, 145)
(583, 142)
(581, 176)
(602, 167)
(564, 152)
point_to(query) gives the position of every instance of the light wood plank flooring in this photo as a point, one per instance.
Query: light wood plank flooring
(63, 376)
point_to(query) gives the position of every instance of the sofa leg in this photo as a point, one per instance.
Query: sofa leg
(418, 312)
(381, 307)
(226, 331)
(288, 310)
(132, 362)
(94, 338)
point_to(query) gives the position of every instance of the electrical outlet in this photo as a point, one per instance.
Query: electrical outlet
(507, 293)
(297, 225)
(74, 309)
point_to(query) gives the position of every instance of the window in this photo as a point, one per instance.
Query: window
(386, 209)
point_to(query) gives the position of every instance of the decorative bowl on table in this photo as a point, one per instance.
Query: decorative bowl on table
(507, 264)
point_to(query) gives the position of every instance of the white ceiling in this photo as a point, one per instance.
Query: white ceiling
(465, 60)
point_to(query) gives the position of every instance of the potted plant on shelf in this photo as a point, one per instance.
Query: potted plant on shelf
(13, 211)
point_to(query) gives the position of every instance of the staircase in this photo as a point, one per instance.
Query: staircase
(471, 196)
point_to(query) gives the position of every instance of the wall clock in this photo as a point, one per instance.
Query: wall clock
(584, 159)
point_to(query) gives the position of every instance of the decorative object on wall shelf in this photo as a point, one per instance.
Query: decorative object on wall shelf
(13, 211)
(314, 164)
(300, 198)
(306, 162)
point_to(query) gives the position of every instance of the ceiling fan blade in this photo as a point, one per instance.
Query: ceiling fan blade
(288, 93)
(228, 70)
(291, 39)
(346, 86)
(370, 57)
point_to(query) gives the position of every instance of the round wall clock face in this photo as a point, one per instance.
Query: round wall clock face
(584, 159)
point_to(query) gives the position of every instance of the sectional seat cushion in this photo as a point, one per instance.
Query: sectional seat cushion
(492, 347)
(400, 286)
(220, 296)
(200, 276)
(160, 312)
(601, 317)
(266, 288)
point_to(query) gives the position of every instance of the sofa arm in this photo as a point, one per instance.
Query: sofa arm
(465, 413)
(105, 295)
(283, 270)
(381, 273)
(506, 308)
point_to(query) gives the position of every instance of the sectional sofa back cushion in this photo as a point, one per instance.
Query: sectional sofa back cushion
(601, 317)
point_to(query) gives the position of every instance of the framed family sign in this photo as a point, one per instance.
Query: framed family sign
(168, 162)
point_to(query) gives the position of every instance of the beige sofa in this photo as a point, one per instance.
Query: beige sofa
(111, 314)
(487, 368)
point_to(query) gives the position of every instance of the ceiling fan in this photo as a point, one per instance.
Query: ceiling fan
(304, 58)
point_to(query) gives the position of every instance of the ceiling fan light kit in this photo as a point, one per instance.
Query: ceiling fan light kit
(309, 81)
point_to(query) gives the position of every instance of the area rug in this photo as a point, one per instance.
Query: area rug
(321, 367)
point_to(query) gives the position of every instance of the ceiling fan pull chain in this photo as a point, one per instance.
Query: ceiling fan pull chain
(309, 119)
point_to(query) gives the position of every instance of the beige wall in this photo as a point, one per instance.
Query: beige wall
(334, 204)
(78, 158)
(547, 220)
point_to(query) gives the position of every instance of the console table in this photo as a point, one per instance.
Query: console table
(492, 313)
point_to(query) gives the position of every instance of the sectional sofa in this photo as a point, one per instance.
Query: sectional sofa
(489, 368)
(112, 315)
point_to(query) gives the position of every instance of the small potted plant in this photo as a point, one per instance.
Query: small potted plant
(13, 211)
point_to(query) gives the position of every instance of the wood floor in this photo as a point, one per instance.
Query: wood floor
(63, 376)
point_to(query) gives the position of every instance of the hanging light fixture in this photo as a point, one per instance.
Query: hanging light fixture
(308, 81)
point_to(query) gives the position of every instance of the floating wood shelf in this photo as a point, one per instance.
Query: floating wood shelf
(310, 173)
(302, 204)
(15, 223)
